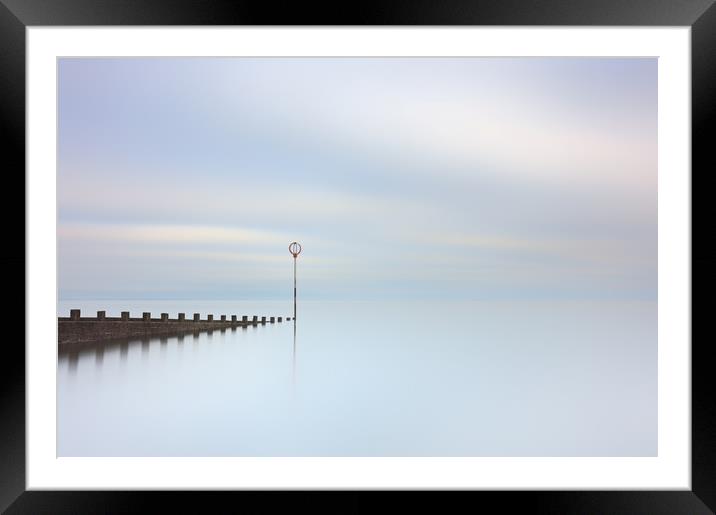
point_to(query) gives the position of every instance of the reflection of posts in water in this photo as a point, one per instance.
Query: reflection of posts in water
(72, 360)
(99, 356)
(123, 350)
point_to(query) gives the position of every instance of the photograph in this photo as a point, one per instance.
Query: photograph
(357, 256)
(297, 255)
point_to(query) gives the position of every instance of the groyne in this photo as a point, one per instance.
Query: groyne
(78, 330)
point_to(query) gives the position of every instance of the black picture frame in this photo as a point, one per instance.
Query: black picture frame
(16, 15)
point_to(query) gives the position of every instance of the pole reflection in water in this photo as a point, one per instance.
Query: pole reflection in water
(293, 364)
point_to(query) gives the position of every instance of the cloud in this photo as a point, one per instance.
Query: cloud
(179, 234)
(460, 122)
(597, 250)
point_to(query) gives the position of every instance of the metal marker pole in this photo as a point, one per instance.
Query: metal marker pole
(295, 249)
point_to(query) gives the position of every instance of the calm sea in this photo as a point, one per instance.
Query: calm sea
(370, 379)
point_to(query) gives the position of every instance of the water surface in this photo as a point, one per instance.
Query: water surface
(370, 379)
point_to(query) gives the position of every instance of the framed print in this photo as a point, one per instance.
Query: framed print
(417, 248)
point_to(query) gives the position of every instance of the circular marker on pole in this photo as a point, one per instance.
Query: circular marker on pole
(295, 249)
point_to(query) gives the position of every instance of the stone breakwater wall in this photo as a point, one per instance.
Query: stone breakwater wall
(77, 329)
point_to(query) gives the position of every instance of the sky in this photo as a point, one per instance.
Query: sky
(403, 178)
